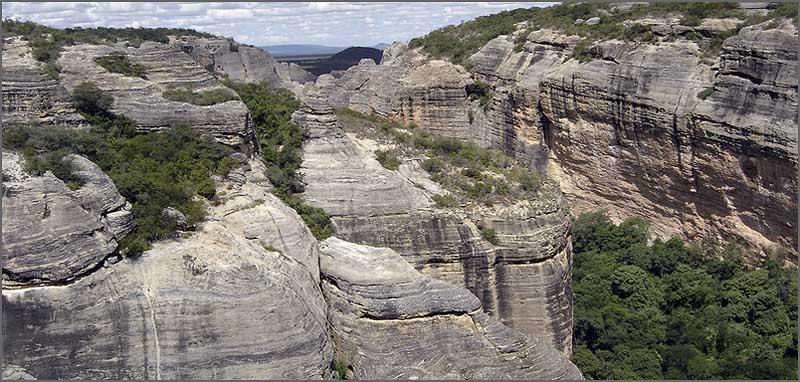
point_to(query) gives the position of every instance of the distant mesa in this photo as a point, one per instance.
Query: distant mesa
(319, 59)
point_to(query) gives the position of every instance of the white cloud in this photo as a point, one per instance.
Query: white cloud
(334, 23)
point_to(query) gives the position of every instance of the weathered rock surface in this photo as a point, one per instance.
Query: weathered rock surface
(30, 95)
(52, 234)
(630, 132)
(655, 130)
(239, 299)
(395, 323)
(141, 99)
(523, 281)
(239, 62)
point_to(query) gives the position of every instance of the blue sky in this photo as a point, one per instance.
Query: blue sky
(336, 24)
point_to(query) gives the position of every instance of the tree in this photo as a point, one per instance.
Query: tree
(88, 98)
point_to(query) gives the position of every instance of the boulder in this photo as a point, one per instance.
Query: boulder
(52, 234)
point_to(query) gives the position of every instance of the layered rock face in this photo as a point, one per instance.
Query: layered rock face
(701, 147)
(52, 234)
(395, 323)
(239, 299)
(141, 99)
(241, 63)
(431, 94)
(523, 280)
(30, 95)
(631, 132)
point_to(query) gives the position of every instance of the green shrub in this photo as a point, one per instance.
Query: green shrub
(472, 173)
(432, 165)
(445, 201)
(489, 234)
(481, 91)
(202, 98)
(387, 160)
(530, 181)
(88, 98)
(581, 52)
(340, 367)
(118, 62)
(705, 93)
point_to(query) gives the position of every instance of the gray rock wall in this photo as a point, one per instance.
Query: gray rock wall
(238, 299)
(29, 95)
(395, 323)
(523, 281)
(627, 131)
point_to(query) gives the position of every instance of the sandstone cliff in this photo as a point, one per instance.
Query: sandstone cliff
(142, 100)
(523, 280)
(29, 94)
(239, 62)
(241, 297)
(701, 146)
(52, 234)
(238, 299)
(395, 323)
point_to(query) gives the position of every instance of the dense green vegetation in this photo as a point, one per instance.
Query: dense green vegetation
(388, 160)
(458, 42)
(118, 62)
(200, 98)
(46, 42)
(280, 141)
(153, 171)
(671, 311)
(469, 172)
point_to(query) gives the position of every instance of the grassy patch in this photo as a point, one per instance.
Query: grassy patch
(118, 62)
(201, 98)
(469, 172)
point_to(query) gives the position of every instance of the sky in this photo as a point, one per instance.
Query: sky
(260, 24)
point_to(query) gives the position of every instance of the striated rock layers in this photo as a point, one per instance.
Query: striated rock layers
(394, 323)
(142, 100)
(241, 63)
(701, 147)
(523, 280)
(52, 234)
(239, 299)
(29, 94)
(700, 150)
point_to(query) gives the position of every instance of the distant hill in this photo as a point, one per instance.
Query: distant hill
(381, 46)
(302, 50)
(319, 64)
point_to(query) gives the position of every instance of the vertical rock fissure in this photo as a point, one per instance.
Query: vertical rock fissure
(155, 332)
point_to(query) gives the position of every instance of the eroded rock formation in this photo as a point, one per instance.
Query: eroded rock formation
(395, 323)
(523, 280)
(701, 146)
(30, 95)
(142, 100)
(239, 62)
(52, 234)
(239, 299)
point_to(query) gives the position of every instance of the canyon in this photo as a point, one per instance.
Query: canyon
(703, 146)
